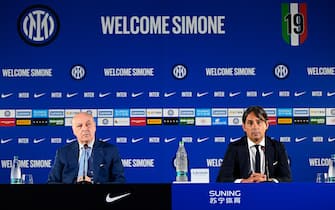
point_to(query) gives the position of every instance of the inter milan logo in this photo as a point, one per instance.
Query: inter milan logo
(78, 72)
(179, 71)
(294, 23)
(38, 25)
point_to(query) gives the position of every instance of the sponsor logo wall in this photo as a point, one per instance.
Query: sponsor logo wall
(166, 72)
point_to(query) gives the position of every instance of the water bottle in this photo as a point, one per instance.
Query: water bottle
(181, 163)
(15, 172)
(331, 169)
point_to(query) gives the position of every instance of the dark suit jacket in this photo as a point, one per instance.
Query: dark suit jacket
(106, 161)
(236, 163)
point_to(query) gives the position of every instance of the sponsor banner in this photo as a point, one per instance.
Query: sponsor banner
(23, 113)
(40, 113)
(23, 122)
(330, 120)
(284, 121)
(119, 113)
(39, 121)
(235, 121)
(235, 112)
(69, 113)
(272, 120)
(138, 113)
(154, 139)
(203, 112)
(189, 112)
(219, 139)
(154, 121)
(317, 112)
(271, 112)
(187, 121)
(138, 121)
(56, 113)
(23, 140)
(168, 112)
(55, 140)
(301, 120)
(284, 112)
(219, 121)
(203, 121)
(219, 112)
(317, 120)
(93, 112)
(7, 122)
(154, 113)
(170, 121)
(108, 113)
(7, 113)
(285, 139)
(68, 121)
(300, 112)
(105, 121)
(330, 112)
(121, 140)
(121, 121)
(188, 139)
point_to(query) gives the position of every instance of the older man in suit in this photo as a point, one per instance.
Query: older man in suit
(86, 160)
(255, 157)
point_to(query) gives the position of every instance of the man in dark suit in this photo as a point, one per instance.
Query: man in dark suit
(242, 164)
(86, 160)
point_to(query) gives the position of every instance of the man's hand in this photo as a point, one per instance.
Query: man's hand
(255, 177)
(87, 179)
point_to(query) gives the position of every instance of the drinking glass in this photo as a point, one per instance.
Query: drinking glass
(319, 178)
(27, 179)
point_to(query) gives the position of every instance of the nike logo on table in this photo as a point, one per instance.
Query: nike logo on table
(115, 198)
(329, 94)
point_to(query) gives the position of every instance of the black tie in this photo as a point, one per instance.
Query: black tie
(257, 160)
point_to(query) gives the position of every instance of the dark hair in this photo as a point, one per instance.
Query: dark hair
(257, 110)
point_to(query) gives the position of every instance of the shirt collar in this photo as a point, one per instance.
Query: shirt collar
(90, 145)
(251, 143)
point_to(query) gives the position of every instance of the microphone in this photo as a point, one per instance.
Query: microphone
(266, 164)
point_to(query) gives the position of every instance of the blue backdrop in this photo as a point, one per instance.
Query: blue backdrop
(155, 72)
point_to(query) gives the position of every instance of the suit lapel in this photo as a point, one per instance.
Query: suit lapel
(244, 158)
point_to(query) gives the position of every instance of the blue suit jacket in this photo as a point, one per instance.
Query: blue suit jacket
(236, 162)
(107, 165)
